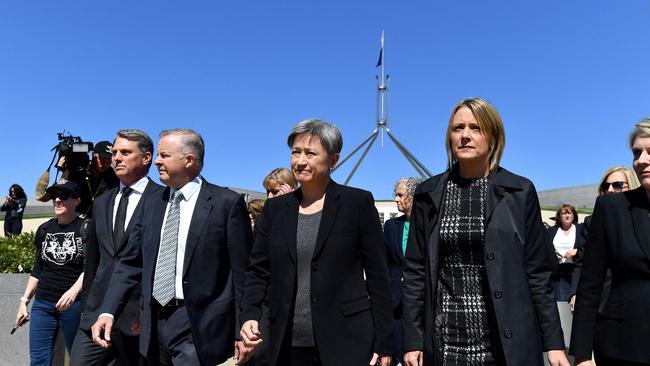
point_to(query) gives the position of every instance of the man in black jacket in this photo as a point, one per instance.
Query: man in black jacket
(113, 215)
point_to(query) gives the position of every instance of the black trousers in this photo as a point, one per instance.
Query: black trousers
(124, 350)
(13, 226)
(299, 356)
(602, 360)
(172, 341)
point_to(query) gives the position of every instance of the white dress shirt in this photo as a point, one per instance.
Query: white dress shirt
(138, 189)
(190, 195)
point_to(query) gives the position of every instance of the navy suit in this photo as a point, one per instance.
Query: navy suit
(102, 254)
(216, 255)
(393, 234)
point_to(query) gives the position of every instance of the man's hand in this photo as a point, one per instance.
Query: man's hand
(413, 358)
(242, 353)
(557, 358)
(102, 331)
(383, 360)
(572, 303)
(250, 333)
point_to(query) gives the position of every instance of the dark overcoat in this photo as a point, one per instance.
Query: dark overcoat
(517, 261)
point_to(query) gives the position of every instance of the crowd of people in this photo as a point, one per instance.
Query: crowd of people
(188, 273)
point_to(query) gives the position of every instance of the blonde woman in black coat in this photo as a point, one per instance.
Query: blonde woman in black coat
(477, 270)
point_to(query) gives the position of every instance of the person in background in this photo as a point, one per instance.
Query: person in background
(255, 208)
(319, 252)
(279, 181)
(396, 231)
(565, 238)
(14, 208)
(477, 288)
(619, 240)
(615, 180)
(57, 276)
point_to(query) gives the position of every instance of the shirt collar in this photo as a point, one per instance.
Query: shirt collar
(189, 189)
(138, 186)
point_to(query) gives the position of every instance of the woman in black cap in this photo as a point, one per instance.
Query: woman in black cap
(14, 207)
(57, 276)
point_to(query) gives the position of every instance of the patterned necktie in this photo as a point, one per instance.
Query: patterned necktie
(164, 279)
(120, 216)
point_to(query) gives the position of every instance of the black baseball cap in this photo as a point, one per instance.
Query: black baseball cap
(104, 149)
(64, 185)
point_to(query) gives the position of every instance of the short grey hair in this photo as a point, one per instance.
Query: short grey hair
(329, 135)
(411, 184)
(641, 128)
(192, 140)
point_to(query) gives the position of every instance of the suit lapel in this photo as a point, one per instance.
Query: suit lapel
(199, 217)
(330, 211)
(291, 216)
(112, 248)
(156, 217)
(640, 219)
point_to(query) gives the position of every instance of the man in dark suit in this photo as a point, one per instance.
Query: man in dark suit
(395, 236)
(113, 217)
(189, 250)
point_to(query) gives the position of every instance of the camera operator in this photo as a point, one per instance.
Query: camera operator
(101, 175)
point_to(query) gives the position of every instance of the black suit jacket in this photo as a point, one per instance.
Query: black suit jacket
(517, 261)
(351, 317)
(619, 239)
(393, 230)
(101, 256)
(216, 255)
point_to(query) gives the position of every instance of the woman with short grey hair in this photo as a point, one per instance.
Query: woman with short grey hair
(313, 247)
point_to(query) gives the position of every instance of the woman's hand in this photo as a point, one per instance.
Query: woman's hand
(22, 316)
(557, 358)
(383, 360)
(413, 358)
(67, 299)
(250, 333)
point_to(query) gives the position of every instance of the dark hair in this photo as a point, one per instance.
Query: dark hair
(20, 192)
(564, 207)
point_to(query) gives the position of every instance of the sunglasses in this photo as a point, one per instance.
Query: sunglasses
(617, 186)
(62, 196)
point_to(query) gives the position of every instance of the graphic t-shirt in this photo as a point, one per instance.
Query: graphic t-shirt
(59, 261)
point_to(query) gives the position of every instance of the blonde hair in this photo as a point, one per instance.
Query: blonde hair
(641, 128)
(491, 127)
(632, 180)
(277, 177)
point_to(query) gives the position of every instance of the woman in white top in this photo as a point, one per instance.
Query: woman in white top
(565, 238)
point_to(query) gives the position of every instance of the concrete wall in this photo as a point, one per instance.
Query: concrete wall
(579, 196)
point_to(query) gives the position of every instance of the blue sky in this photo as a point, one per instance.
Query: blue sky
(570, 78)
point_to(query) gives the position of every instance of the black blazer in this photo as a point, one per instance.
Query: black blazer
(517, 261)
(101, 256)
(216, 255)
(619, 239)
(393, 229)
(351, 317)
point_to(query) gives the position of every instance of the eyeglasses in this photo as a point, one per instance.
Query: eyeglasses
(617, 186)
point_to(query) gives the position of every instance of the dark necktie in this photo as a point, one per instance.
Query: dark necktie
(120, 217)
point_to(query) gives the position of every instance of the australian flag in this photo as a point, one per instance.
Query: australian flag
(381, 51)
